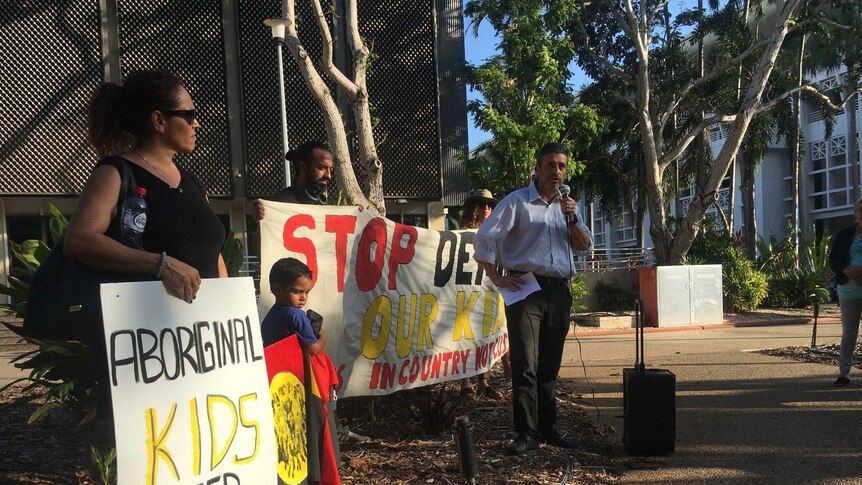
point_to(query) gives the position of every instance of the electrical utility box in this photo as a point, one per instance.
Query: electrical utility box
(681, 295)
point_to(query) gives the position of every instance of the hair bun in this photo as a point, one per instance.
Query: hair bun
(290, 155)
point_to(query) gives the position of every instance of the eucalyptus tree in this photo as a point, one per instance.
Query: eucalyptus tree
(674, 103)
(366, 190)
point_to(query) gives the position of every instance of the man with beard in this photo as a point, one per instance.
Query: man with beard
(535, 230)
(314, 173)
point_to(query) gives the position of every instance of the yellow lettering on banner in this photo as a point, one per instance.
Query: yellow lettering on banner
(462, 314)
(427, 316)
(155, 444)
(403, 343)
(216, 456)
(489, 313)
(196, 436)
(501, 314)
(247, 423)
(371, 347)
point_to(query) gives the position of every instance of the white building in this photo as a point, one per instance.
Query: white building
(826, 184)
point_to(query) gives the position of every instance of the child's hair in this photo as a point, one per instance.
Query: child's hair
(286, 270)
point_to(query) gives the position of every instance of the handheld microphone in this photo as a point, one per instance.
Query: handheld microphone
(565, 190)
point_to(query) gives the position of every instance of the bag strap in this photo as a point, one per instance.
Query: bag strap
(128, 183)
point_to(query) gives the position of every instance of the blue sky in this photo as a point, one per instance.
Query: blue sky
(478, 48)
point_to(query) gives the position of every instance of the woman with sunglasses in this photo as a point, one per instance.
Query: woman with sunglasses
(144, 123)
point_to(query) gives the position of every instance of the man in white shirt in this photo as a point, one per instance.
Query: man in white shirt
(537, 231)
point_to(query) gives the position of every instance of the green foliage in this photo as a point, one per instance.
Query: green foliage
(796, 289)
(790, 286)
(526, 100)
(612, 297)
(743, 286)
(104, 460)
(233, 253)
(60, 373)
(579, 290)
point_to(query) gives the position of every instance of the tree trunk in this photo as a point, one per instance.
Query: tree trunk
(850, 112)
(796, 156)
(748, 201)
(372, 174)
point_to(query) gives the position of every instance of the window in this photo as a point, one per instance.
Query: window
(723, 201)
(717, 132)
(830, 174)
(598, 228)
(626, 231)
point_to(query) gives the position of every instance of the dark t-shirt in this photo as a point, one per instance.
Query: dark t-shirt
(299, 195)
(282, 322)
(180, 221)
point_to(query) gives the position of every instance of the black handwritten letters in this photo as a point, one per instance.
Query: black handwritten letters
(174, 352)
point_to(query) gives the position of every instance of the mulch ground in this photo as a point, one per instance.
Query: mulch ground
(408, 443)
(820, 354)
(404, 445)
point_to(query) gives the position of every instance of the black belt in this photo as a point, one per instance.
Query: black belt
(550, 281)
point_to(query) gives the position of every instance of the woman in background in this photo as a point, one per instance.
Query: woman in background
(475, 210)
(845, 259)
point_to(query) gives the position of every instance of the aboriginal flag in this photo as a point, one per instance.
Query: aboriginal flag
(301, 386)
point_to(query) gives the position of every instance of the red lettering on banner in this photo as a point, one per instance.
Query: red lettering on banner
(435, 366)
(302, 245)
(427, 365)
(402, 377)
(414, 369)
(341, 226)
(368, 271)
(447, 357)
(401, 254)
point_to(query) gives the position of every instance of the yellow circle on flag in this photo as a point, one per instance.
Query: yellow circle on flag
(288, 409)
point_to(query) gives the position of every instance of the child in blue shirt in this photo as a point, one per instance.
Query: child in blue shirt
(290, 282)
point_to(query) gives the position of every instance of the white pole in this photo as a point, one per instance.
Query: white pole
(283, 105)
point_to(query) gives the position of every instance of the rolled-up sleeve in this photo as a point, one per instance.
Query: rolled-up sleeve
(589, 233)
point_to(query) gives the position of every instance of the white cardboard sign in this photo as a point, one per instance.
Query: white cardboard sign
(189, 385)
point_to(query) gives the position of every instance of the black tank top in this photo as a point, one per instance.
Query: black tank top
(180, 221)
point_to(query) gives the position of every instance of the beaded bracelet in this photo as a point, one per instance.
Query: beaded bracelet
(162, 262)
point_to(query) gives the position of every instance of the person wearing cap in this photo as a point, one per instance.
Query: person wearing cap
(476, 208)
(314, 174)
(537, 231)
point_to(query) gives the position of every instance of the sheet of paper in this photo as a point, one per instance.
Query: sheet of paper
(529, 285)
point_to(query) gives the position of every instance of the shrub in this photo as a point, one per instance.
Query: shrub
(611, 297)
(744, 288)
(579, 291)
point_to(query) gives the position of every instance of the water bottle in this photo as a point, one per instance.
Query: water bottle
(134, 218)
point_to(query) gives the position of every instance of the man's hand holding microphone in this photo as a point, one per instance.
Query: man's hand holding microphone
(577, 237)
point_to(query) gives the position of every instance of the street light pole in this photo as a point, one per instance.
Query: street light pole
(277, 28)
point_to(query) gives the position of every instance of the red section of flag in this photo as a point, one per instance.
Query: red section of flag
(288, 356)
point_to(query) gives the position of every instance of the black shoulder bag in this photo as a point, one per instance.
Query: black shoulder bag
(64, 301)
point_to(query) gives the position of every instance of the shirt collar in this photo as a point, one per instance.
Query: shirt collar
(533, 194)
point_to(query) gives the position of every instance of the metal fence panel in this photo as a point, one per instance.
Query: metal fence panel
(52, 57)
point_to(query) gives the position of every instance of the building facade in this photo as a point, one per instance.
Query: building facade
(826, 201)
(57, 52)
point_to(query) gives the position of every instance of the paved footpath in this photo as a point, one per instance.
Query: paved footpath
(742, 417)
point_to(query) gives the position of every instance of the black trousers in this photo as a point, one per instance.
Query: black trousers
(537, 326)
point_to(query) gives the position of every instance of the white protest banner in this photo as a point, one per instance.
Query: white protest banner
(403, 306)
(189, 385)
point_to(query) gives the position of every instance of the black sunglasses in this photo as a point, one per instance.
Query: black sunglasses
(189, 115)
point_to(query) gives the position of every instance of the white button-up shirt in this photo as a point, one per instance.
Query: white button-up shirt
(531, 233)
